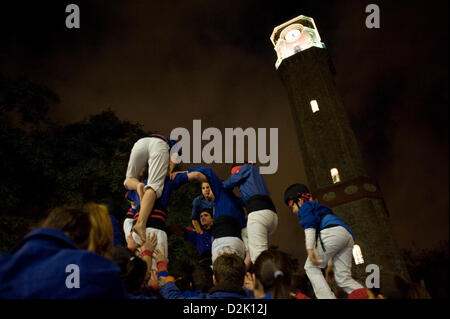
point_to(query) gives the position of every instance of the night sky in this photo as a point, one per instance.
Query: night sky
(164, 64)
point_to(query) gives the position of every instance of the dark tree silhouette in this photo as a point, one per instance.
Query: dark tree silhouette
(45, 164)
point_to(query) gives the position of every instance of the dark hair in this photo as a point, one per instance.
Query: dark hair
(73, 221)
(202, 278)
(229, 271)
(132, 269)
(207, 210)
(273, 270)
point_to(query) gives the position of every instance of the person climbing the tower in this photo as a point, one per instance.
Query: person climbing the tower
(327, 236)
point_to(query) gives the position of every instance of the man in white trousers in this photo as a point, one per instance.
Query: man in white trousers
(262, 219)
(154, 152)
(327, 237)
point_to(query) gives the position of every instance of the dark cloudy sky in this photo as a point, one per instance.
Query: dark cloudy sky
(164, 64)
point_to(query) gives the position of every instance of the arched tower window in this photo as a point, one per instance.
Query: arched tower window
(357, 255)
(335, 175)
(314, 106)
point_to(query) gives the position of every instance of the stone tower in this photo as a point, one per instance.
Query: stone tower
(333, 163)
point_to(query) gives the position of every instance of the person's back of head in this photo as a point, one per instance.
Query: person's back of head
(273, 271)
(74, 222)
(228, 273)
(132, 269)
(101, 234)
(202, 278)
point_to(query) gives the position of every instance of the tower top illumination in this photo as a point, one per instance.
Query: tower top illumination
(294, 36)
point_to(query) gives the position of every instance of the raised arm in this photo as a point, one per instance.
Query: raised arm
(147, 250)
(197, 176)
(237, 178)
(192, 176)
(206, 174)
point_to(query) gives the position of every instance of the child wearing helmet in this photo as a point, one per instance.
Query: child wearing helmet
(335, 242)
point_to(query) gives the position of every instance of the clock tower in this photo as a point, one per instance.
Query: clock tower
(333, 163)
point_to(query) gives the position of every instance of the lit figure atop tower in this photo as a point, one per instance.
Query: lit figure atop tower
(333, 162)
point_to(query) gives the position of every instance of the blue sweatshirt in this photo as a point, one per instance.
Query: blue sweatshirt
(171, 291)
(226, 203)
(311, 212)
(36, 268)
(200, 241)
(249, 181)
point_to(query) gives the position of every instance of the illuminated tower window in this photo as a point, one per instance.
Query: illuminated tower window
(357, 255)
(314, 106)
(335, 175)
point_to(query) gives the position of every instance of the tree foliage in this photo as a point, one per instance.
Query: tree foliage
(68, 164)
(31, 101)
(45, 164)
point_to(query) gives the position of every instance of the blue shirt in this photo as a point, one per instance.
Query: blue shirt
(199, 204)
(249, 180)
(169, 186)
(36, 268)
(226, 203)
(200, 241)
(191, 294)
(171, 291)
(310, 214)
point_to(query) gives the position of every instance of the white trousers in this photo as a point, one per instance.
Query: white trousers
(338, 245)
(260, 224)
(225, 244)
(244, 235)
(154, 152)
(161, 236)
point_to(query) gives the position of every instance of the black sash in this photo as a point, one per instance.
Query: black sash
(259, 202)
(226, 226)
